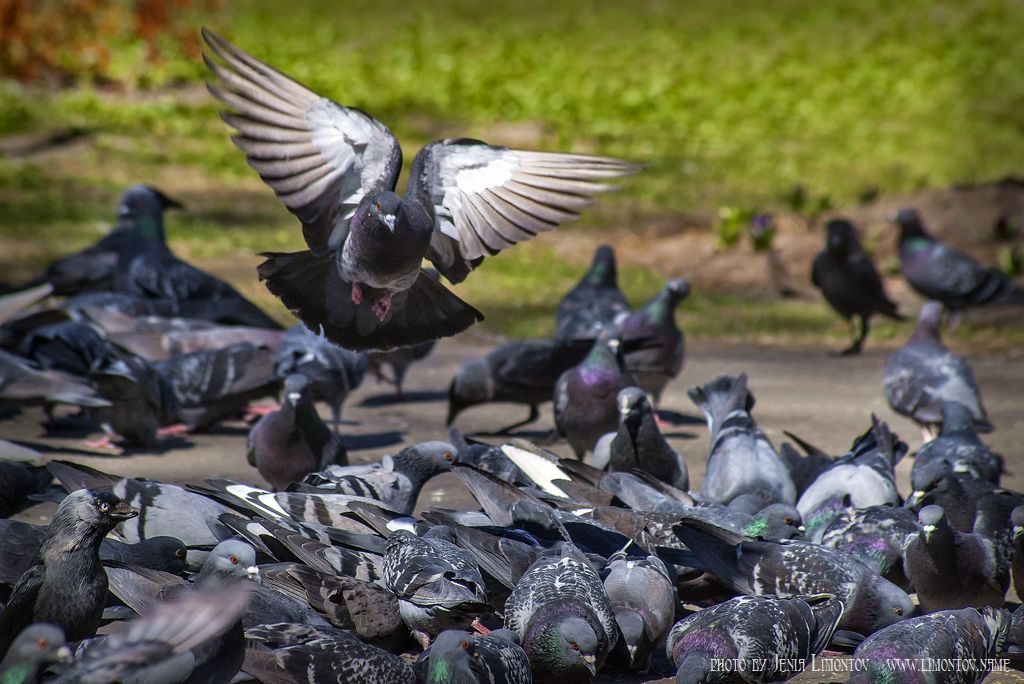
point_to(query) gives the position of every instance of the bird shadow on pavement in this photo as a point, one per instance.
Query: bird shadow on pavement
(414, 397)
(676, 418)
(376, 440)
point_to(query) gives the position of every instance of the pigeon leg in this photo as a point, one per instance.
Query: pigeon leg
(105, 442)
(336, 415)
(382, 307)
(173, 430)
(856, 347)
(254, 411)
(534, 415)
(928, 432)
(357, 294)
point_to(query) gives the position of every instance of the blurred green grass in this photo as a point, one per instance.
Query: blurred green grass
(727, 102)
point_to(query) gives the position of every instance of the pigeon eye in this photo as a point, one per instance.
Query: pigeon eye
(378, 205)
(104, 507)
(788, 520)
(42, 643)
(898, 610)
(180, 553)
(447, 455)
(464, 645)
(233, 559)
(574, 645)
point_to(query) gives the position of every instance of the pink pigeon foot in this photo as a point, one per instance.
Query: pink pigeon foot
(357, 294)
(105, 442)
(661, 422)
(479, 628)
(382, 307)
(254, 411)
(173, 430)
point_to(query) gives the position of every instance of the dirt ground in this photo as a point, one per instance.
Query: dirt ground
(825, 400)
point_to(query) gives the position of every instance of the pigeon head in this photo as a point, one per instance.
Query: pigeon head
(663, 306)
(567, 648)
(1017, 520)
(929, 320)
(472, 385)
(296, 387)
(631, 402)
(956, 419)
(841, 237)
(933, 521)
(230, 560)
(171, 552)
(38, 645)
(876, 603)
(382, 214)
(602, 271)
(142, 208)
(453, 659)
(909, 221)
(777, 521)
(631, 628)
(427, 457)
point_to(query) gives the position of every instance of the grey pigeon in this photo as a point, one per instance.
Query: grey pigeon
(67, 586)
(562, 616)
(939, 272)
(396, 480)
(958, 443)
(293, 652)
(766, 637)
(741, 461)
(866, 474)
(639, 443)
(968, 641)
(140, 402)
(643, 599)
(291, 442)
(333, 372)
(594, 302)
(585, 396)
(21, 384)
(37, 646)
(140, 214)
(20, 543)
(951, 569)
(399, 360)
(155, 338)
(335, 168)
(849, 280)
(519, 372)
(168, 631)
(438, 585)
(875, 536)
(661, 357)
(457, 656)
(923, 374)
(798, 568)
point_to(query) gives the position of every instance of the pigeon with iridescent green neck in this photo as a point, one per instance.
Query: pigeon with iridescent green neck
(595, 302)
(38, 646)
(458, 657)
(660, 359)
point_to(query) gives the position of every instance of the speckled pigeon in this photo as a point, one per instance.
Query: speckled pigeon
(643, 599)
(875, 536)
(923, 374)
(849, 280)
(595, 301)
(335, 168)
(464, 658)
(939, 272)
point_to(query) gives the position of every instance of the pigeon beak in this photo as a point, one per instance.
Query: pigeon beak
(916, 498)
(123, 511)
(293, 397)
(632, 653)
(1017, 531)
(928, 529)
(801, 529)
(590, 661)
(64, 655)
(252, 572)
(389, 221)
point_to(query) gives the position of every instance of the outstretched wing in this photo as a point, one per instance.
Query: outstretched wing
(319, 157)
(487, 198)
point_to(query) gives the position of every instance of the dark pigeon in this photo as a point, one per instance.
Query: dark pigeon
(519, 372)
(67, 585)
(336, 168)
(958, 443)
(486, 457)
(21, 384)
(141, 402)
(291, 442)
(939, 272)
(20, 543)
(399, 360)
(765, 635)
(395, 481)
(146, 648)
(923, 374)
(70, 346)
(741, 461)
(37, 647)
(1017, 549)
(643, 599)
(438, 585)
(562, 616)
(849, 280)
(875, 536)
(798, 568)
(866, 474)
(804, 468)
(969, 640)
(293, 652)
(585, 396)
(660, 359)
(595, 301)
(18, 482)
(457, 656)
(639, 444)
(951, 569)
(333, 372)
(140, 215)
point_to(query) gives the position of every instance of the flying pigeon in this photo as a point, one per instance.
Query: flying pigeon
(595, 301)
(849, 280)
(361, 282)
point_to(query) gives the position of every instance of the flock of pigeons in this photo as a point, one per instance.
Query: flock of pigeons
(566, 568)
